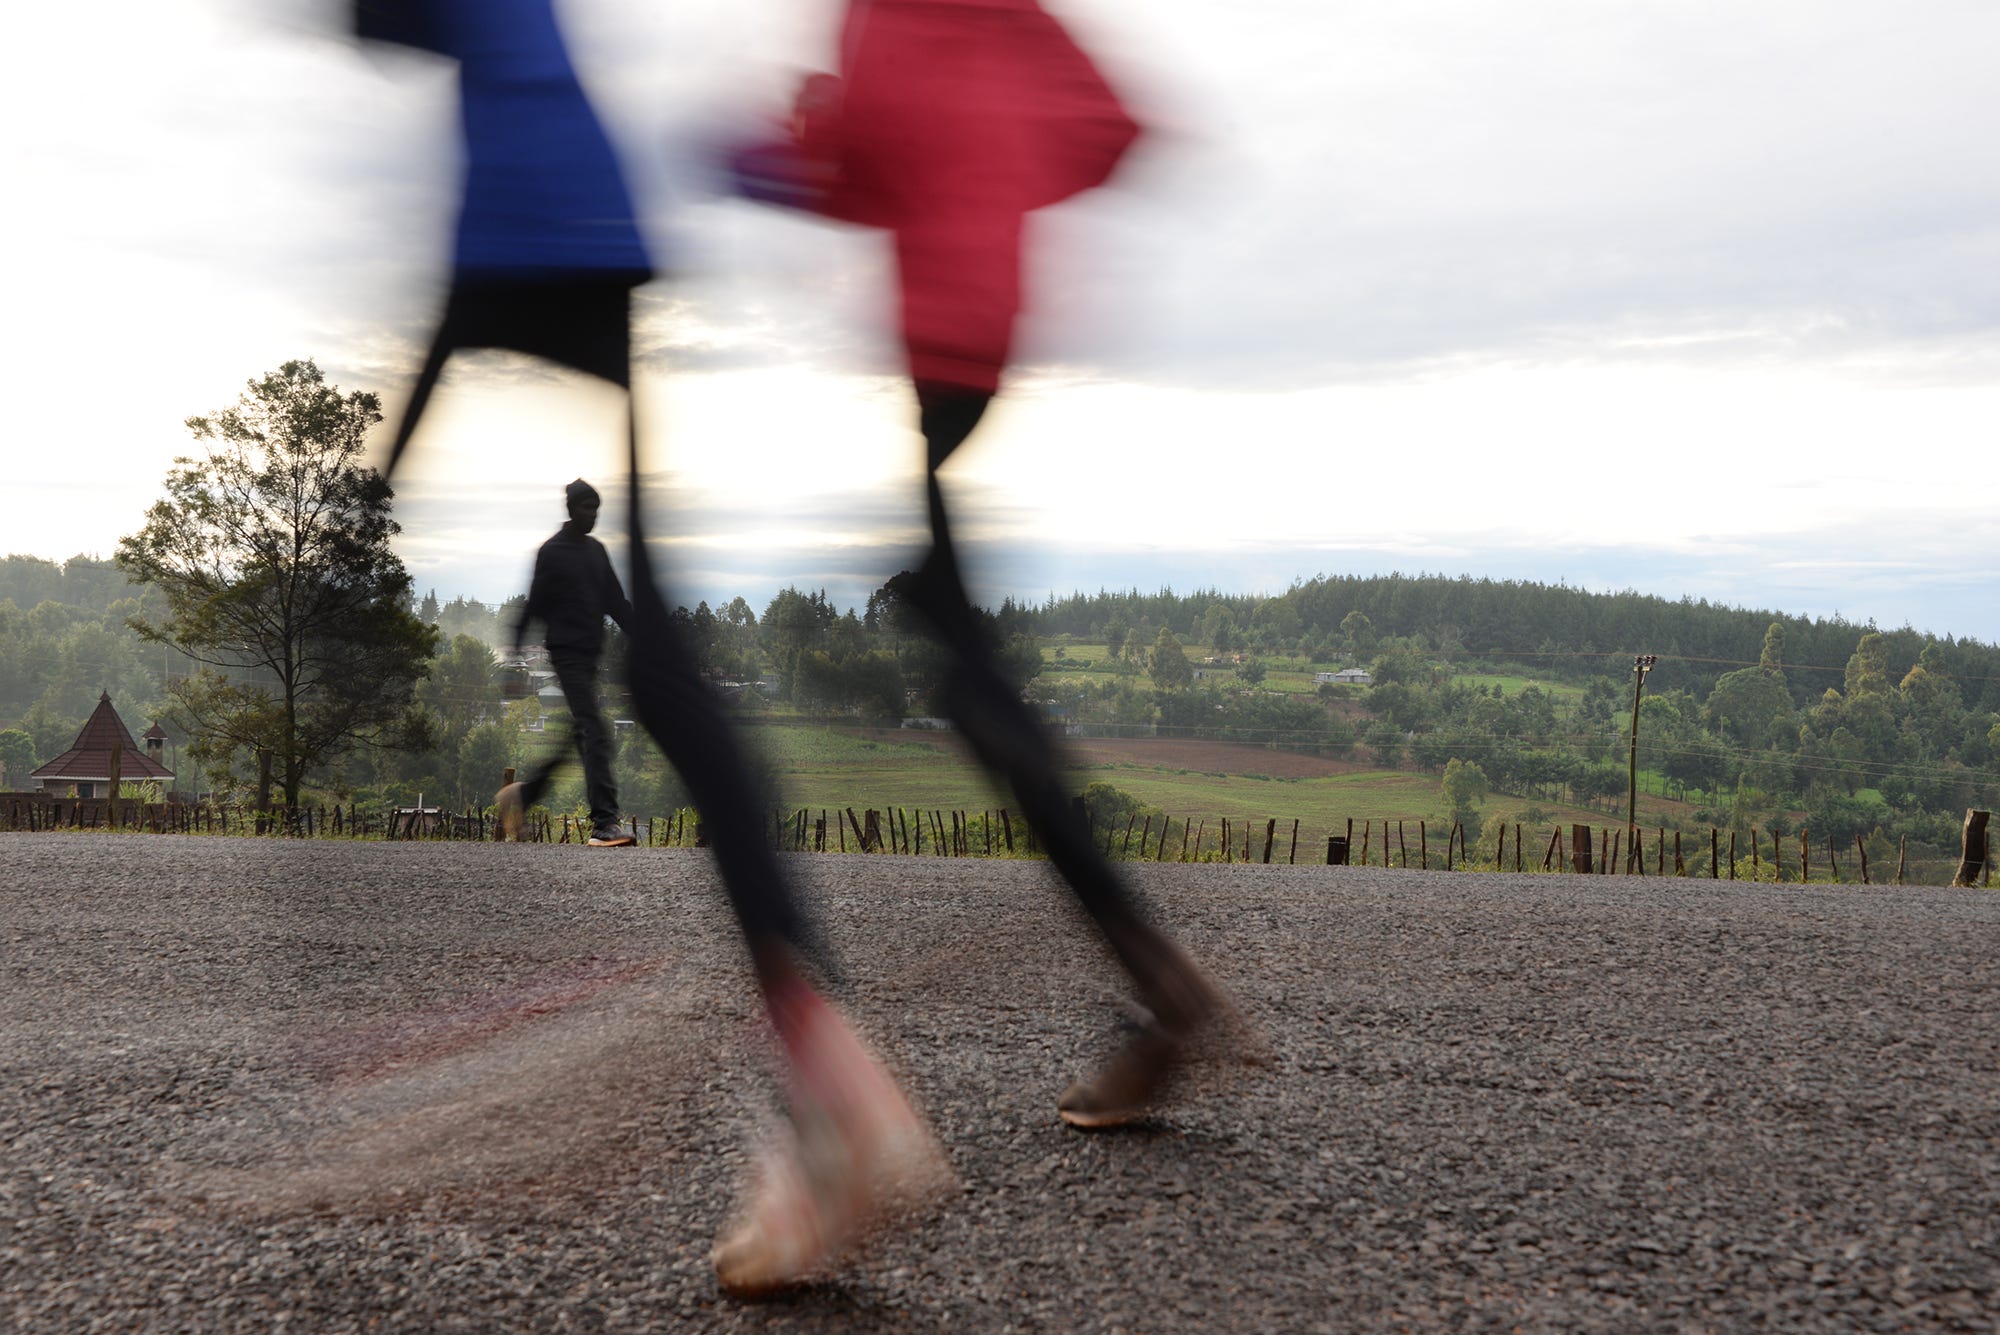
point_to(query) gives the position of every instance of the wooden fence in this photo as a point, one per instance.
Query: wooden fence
(924, 832)
(36, 812)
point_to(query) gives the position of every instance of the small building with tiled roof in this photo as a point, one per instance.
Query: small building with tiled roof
(85, 769)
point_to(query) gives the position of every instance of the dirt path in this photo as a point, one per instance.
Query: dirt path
(494, 1088)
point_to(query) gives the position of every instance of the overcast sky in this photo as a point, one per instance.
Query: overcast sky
(1694, 298)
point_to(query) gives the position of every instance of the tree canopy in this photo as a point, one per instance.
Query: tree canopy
(271, 550)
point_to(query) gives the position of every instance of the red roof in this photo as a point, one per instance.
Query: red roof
(89, 757)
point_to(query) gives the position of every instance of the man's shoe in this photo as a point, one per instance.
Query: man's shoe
(610, 836)
(509, 810)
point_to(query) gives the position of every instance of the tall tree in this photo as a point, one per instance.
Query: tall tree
(1771, 659)
(1115, 633)
(272, 553)
(1170, 668)
(1465, 783)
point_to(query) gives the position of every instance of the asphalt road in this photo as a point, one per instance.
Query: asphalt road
(254, 1086)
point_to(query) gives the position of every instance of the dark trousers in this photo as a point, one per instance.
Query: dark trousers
(590, 734)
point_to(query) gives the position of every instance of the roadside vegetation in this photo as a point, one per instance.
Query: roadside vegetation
(1487, 704)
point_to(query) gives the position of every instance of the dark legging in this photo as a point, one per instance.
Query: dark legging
(686, 717)
(988, 711)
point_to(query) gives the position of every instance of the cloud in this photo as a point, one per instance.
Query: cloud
(1713, 256)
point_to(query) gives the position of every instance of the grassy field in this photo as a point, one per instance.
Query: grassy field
(830, 768)
(1514, 684)
(824, 768)
(1320, 803)
(1293, 675)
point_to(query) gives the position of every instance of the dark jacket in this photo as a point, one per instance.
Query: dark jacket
(574, 589)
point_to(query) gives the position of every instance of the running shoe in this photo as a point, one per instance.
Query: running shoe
(854, 1154)
(1182, 1005)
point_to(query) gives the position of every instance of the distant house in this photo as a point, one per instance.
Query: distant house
(85, 769)
(1344, 677)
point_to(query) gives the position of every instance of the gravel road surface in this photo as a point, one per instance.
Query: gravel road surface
(326, 1086)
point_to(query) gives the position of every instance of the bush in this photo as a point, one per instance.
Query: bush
(1112, 809)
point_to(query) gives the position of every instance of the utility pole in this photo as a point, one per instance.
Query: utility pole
(1641, 665)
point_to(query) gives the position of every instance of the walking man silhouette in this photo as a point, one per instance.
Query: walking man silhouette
(573, 590)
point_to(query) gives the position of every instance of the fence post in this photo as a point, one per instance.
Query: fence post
(1861, 847)
(1294, 858)
(1972, 849)
(1270, 837)
(1805, 855)
(263, 785)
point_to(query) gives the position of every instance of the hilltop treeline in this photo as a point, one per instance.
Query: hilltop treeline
(1568, 632)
